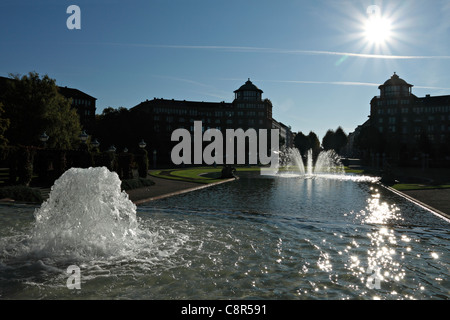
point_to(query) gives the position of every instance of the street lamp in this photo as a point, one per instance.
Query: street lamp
(142, 144)
(154, 159)
(44, 138)
(125, 150)
(83, 136)
(95, 143)
(112, 149)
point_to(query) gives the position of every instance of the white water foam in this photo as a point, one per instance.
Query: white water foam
(87, 214)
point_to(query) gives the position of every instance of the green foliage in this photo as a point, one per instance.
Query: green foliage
(21, 193)
(21, 161)
(370, 139)
(33, 105)
(4, 124)
(105, 159)
(141, 159)
(303, 143)
(334, 140)
(124, 165)
(112, 127)
(131, 184)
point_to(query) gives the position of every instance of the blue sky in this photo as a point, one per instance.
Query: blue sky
(312, 59)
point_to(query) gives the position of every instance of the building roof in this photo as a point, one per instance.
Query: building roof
(65, 91)
(248, 86)
(435, 100)
(74, 93)
(181, 103)
(395, 80)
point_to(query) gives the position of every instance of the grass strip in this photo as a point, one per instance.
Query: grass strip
(418, 186)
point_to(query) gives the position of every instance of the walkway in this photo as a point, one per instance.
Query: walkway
(165, 188)
(437, 200)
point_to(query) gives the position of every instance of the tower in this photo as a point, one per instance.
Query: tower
(248, 92)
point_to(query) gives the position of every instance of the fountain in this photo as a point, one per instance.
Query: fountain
(253, 238)
(86, 215)
(328, 162)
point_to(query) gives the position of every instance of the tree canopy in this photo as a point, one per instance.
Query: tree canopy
(305, 142)
(33, 106)
(4, 124)
(370, 139)
(334, 140)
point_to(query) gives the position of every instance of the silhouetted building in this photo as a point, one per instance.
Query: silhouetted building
(411, 126)
(82, 102)
(156, 119)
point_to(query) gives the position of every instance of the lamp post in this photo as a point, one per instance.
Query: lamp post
(154, 159)
(44, 138)
(142, 160)
(112, 149)
(83, 136)
(95, 143)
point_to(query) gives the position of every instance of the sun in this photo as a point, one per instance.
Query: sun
(377, 30)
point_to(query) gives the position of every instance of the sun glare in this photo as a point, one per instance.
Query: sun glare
(377, 30)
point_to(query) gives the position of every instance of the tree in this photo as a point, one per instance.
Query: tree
(302, 143)
(112, 127)
(314, 142)
(328, 140)
(4, 124)
(335, 140)
(340, 139)
(370, 140)
(34, 106)
(305, 142)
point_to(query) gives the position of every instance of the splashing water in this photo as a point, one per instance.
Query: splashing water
(328, 162)
(86, 213)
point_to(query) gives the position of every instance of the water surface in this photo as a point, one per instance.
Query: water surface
(259, 237)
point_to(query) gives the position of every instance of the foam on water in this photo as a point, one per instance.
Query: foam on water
(87, 214)
(328, 165)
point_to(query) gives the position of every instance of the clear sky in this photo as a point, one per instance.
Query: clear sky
(319, 62)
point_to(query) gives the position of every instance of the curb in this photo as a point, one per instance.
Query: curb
(421, 204)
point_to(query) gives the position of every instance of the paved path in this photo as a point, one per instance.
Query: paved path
(166, 188)
(437, 200)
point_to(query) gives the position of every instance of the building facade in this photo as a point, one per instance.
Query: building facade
(411, 126)
(81, 101)
(84, 104)
(158, 118)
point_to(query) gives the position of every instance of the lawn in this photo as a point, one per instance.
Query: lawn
(418, 186)
(211, 174)
(197, 174)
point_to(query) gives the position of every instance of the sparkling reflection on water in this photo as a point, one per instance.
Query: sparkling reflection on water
(257, 237)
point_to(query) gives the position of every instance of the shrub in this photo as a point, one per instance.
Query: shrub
(21, 193)
(131, 184)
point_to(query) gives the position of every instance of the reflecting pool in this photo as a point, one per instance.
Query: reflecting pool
(259, 237)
